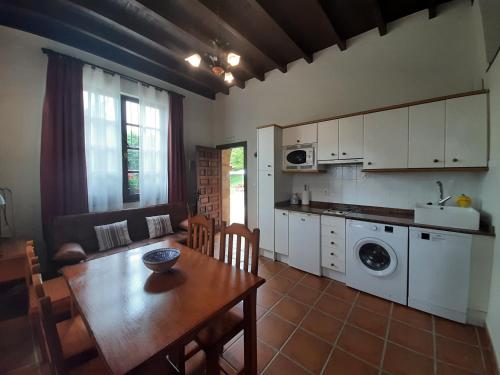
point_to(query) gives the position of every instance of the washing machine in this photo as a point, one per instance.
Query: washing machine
(377, 259)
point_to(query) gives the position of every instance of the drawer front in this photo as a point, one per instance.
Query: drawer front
(333, 221)
(332, 234)
(333, 262)
(333, 241)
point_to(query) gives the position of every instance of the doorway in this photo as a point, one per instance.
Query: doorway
(233, 160)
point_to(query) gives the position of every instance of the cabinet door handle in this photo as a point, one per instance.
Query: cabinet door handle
(333, 153)
(284, 213)
(436, 160)
(269, 174)
(303, 219)
(298, 140)
(344, 153)
(454, 160)
(332, 243)
(332, 232)
(331, 254)
(269, 165)
(369, 163)
(332, 264)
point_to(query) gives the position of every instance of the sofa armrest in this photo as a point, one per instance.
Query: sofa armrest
(70, 253)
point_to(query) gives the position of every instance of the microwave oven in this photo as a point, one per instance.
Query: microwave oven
(300, 157)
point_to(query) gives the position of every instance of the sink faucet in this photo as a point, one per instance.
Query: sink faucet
(442, 200)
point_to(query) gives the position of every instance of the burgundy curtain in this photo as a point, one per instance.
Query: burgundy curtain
(176, 159)
(63, 176)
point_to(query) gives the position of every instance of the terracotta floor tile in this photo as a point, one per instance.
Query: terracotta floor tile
(309, 351)
(333, 306)
(462, 355)
(16, 344)
(322, 325)
(267, 297)
(315, 282)
(398, 360)
(292, 273)
(342, 363)
(304, 294)
(341, 291)
(361, 344)
(272, 267)
(273, 330)
(290, 310)
(411, 337)
(260, 311)
(235, 354)
(369, 321)
(373, 303)
(413, 317)
(280, 284)
(282, 365)
(446, 369)
(484, 338)
(265, 273)
(457, 331)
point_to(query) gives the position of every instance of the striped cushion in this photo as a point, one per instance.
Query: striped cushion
(159, 226)
(112, 235)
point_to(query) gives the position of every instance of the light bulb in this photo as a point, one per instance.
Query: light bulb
(194, 60)
(228, 77)
(233, 59)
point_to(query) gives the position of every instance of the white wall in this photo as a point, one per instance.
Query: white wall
(490, 192)
(23, 69)
(418, 58)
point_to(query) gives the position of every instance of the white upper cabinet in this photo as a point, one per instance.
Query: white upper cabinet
(328, 140)
(427, 135)
(265, 147)
(350, 137)
(386, 139)
(466, 132)
(295, 135)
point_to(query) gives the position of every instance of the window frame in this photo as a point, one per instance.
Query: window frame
(127, 197)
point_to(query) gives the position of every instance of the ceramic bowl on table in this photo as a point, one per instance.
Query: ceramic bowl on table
(161, 260)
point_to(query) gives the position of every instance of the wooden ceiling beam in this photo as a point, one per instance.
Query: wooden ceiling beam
(379, 17)
(113, 18)
(161, 12)
(341, 42)
(432, 7)
(25, 19)
(259, 9)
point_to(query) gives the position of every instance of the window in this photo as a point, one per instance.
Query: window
(130, 145)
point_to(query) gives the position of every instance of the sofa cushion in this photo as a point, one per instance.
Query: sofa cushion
(159, 226)
(70, 253)
(112, 235)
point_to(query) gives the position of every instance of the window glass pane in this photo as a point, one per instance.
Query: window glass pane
(133, 160)
(133, 183)
(132, 136)
(132, 113)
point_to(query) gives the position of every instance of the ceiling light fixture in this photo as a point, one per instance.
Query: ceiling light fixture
(220, 62)
(194, 60)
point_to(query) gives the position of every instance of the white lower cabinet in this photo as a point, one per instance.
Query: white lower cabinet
(304, 242)
(281, 231)
(333, 243)
(439, 272)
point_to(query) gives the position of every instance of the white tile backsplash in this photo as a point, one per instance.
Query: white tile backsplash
(348, 184)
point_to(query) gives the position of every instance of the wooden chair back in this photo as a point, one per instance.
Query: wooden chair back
(38, 285)
(52, 341)
(244, 251)
(201, 231)
(31, 260)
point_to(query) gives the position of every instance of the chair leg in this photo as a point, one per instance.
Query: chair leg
(38, 335)
(212, 358)
(178, 360)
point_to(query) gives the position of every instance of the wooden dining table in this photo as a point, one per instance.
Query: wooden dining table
(135, 315)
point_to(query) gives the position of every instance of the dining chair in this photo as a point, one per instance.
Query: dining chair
(239, 247)
(201, 232)
(73, 337)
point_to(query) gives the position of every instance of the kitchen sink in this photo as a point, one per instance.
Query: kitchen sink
(451, 217)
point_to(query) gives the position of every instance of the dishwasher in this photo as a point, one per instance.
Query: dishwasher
(438, 273)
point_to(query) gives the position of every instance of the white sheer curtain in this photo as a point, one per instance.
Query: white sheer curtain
(153, 145)
(103, 139)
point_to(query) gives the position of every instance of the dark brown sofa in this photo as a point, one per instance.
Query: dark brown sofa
(80, 228)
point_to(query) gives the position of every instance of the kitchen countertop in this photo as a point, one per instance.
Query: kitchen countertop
(377, 215)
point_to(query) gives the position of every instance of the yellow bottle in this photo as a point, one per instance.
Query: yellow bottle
(463, 201)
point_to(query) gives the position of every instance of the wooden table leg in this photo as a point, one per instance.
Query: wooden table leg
(250, 316)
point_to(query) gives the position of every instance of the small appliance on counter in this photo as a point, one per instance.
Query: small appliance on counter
(463, 201)
(306, 196)
(294, 199)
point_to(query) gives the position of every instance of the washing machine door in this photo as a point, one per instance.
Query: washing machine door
(375, 257)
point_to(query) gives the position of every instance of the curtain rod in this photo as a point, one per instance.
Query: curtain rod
(106, 70)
